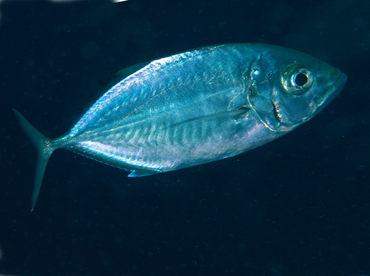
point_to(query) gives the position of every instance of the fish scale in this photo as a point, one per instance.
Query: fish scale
(196, 107)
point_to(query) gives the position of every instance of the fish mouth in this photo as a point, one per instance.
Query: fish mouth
(332, 92)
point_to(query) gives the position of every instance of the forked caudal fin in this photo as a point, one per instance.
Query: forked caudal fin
(44, 151)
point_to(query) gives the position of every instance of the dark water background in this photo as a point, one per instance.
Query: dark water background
(297, 206)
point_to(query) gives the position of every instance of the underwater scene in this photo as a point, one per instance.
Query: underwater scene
(195, 175)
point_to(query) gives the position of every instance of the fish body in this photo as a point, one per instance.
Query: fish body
(196, 107)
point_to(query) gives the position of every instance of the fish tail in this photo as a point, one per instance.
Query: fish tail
(44, 151)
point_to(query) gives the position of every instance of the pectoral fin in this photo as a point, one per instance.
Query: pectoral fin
(222, 116)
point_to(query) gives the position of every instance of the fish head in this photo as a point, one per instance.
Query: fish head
(288, 88)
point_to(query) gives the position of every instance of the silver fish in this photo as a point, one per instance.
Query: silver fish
(196, 107)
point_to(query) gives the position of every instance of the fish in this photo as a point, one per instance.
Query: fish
(196, 107)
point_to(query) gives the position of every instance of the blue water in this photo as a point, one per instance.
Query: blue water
(297, 206)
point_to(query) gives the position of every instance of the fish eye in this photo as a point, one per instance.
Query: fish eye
(300, 79)
(297, 79)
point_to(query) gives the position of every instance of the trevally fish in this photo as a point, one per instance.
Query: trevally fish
(196, 107)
